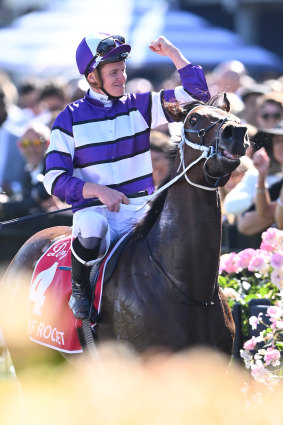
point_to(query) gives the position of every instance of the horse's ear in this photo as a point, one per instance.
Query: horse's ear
(226, 103)
(175, 111)
(220, 101)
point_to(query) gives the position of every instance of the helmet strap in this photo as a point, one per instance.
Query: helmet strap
(110, 97)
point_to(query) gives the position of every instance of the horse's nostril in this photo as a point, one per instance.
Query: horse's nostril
(227, 132)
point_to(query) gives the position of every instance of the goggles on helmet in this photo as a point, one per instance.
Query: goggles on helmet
(109, 43)
(104, 47)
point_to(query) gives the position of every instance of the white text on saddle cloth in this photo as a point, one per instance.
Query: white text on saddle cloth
(45, 332)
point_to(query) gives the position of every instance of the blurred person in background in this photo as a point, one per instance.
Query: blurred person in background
(227, 77)
(160, 156)
(100, 148)
(269, 110)
(242, 197)
(236, 177)
(28, 101)
(77, 88)
(273, 84)
(138, 85)
(33, 197)
(38, 99)
(31, 108)
(54, 96)
(261, 215)
(249, 96)
(279, 210)
(11, 161)
(232, 239)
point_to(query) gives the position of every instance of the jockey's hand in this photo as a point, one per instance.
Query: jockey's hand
(109, 197)
(261, 162)
(162, 46)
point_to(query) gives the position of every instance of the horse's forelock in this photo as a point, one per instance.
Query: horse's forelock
(178, 111)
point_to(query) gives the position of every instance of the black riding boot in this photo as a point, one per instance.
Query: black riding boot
(81, 292)
(79, 301)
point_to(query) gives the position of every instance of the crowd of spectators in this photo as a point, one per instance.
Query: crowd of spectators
(251, 201)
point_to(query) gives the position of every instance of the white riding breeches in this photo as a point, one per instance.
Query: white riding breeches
(99, 222)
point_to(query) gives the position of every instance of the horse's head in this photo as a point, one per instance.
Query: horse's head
(217, 134)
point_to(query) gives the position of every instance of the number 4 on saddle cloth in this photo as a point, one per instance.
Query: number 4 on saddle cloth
(50, 320)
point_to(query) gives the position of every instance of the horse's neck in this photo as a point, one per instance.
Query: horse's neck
(188, 232)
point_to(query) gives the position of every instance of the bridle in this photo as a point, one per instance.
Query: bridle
(208, 152)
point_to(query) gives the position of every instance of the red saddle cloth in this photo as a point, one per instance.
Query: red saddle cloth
(51, 322)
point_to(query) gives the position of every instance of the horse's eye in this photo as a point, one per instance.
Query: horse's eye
(193, 121)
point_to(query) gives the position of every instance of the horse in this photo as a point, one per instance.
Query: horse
(164, 290)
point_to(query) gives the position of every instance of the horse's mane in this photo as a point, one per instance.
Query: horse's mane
(178, 112)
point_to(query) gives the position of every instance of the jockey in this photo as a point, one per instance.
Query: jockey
(100, 148)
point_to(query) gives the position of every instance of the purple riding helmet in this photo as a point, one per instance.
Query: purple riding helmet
(98, 49)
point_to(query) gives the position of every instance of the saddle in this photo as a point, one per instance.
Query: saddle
(51, 322)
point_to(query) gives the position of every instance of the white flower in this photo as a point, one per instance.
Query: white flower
(246, 285)
(247, 357)
(259, 372)
(254, 321)
(231, 293)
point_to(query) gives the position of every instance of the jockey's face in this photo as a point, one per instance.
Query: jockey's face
(113, 76)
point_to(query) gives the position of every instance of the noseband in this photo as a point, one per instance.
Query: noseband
(208, 152)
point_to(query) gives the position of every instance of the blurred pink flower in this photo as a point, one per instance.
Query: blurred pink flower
(250, 344)
(259, 262)
(272, 356)
(244, 257)
(274, 311)
(277, 277)
(228, 263)
(277, 259)
(270, 236)
(259, 372)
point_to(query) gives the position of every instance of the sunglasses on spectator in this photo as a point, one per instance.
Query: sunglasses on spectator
(32, 142)
(275, 115)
